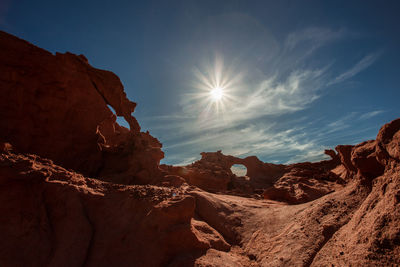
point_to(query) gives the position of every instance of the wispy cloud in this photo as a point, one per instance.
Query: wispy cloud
(371, 114)
(313, 38)
(284, 142)
(317, 35)
(268, 96)
(341, 123)
(364, 63)
(184, 161)
(256, 140)
(260, 113)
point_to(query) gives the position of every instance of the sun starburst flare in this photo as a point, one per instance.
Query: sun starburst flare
(215, 92)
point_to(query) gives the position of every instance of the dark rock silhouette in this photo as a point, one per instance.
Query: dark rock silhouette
(55, 106)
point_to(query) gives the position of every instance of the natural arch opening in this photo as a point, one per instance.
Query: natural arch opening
(120, 119)
(239, 169)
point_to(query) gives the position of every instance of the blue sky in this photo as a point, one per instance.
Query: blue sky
(298, 76)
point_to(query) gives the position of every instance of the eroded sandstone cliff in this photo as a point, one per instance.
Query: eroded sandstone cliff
(55, 106)
(77, 189)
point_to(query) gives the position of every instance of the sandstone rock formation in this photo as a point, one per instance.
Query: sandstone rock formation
(213, 173)
(303, 182)
(295, 183)
(55, 106)
(77, 189)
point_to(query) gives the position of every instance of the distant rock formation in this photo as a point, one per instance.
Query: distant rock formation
(213, 173)
(77, 189)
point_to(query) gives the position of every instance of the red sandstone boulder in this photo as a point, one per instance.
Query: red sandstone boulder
(344, 152)
(332, 154)
(302, 183)
(363, 158)
(388, 143)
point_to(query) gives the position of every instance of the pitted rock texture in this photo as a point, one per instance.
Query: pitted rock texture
(55, 217)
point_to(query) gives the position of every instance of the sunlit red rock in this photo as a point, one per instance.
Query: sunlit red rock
(387, 143)
(344, 152)
(304, 182)
(364, 159)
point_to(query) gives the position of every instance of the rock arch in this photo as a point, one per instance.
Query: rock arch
(260, 173)
(239, 169)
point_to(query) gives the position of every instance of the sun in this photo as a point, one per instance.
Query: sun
(216, 90)
(216, 93)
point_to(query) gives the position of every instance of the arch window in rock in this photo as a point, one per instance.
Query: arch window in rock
(239, 170)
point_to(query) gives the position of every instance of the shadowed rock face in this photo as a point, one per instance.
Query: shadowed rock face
(56, 106)
(51, 216)
(342, 212)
